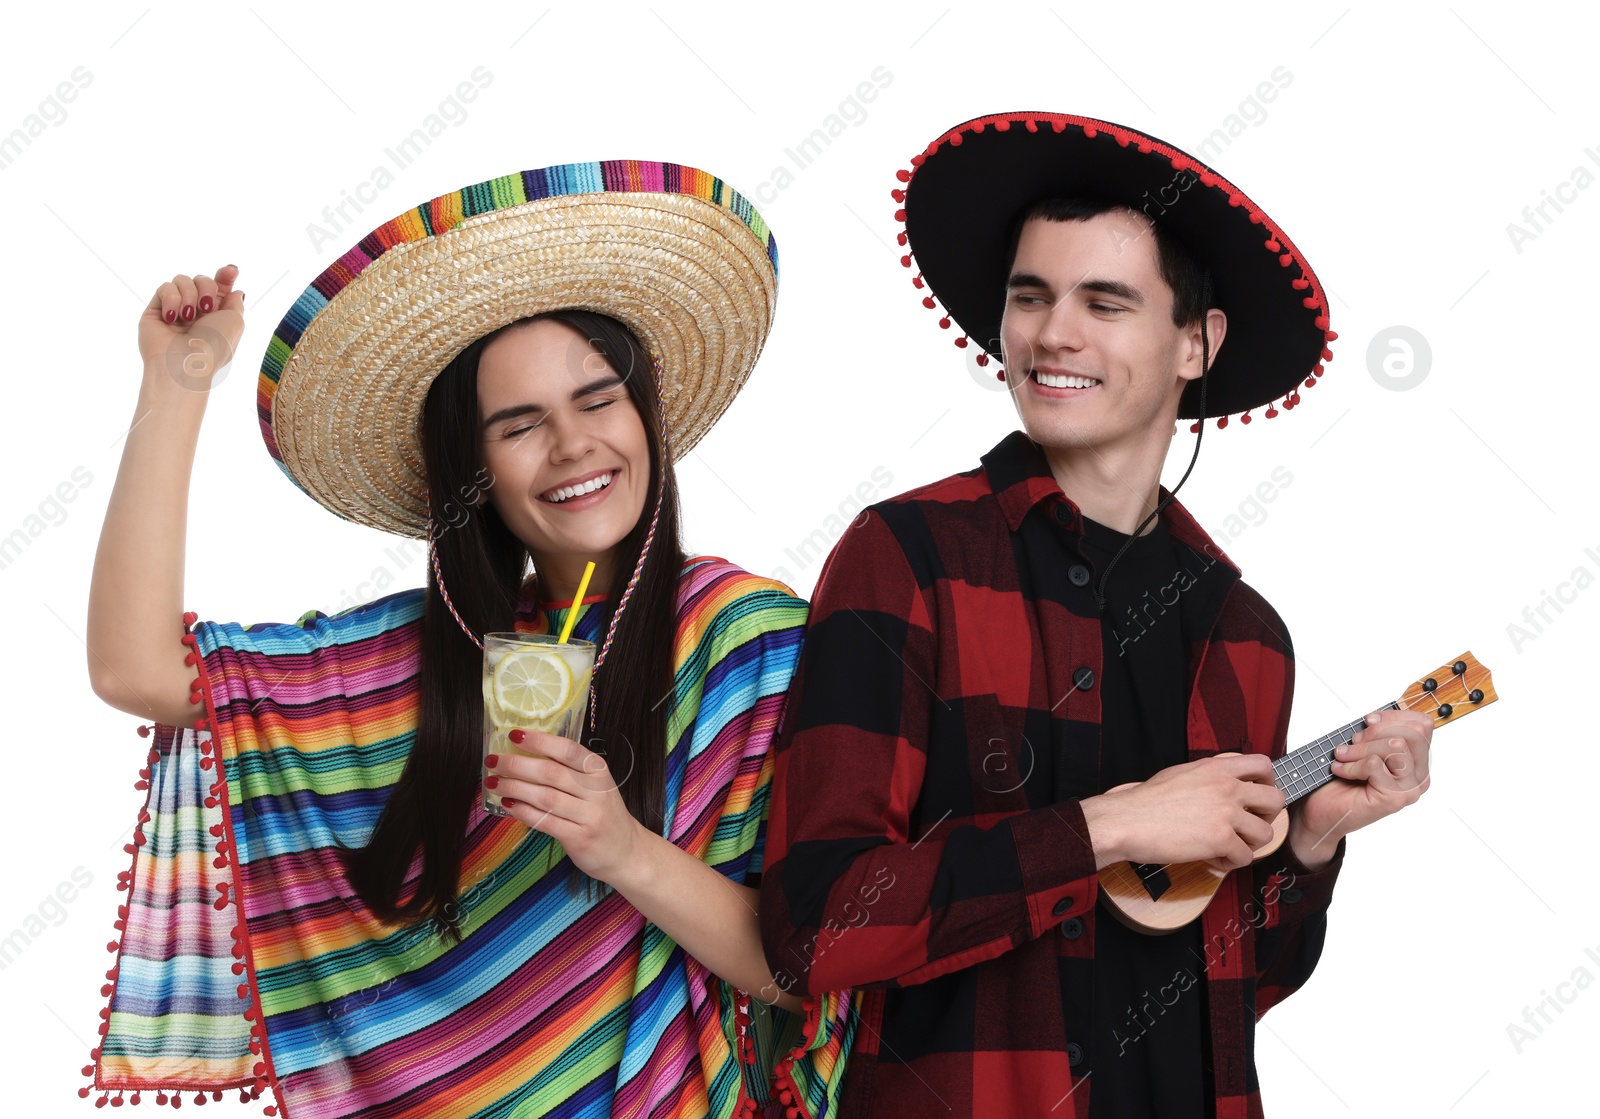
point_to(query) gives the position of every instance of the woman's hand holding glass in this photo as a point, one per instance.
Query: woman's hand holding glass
(560, 787)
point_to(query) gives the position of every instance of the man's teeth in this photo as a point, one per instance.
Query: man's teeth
(1052, 381)
(567, 492)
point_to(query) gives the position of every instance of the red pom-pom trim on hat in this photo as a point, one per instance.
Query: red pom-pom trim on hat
(1275, 242)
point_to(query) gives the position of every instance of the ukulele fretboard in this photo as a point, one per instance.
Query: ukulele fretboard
(1302, 772)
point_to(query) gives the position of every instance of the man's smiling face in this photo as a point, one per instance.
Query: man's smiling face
(1091, 352)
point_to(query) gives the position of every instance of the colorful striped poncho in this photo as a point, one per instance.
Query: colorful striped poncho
(553, 1004)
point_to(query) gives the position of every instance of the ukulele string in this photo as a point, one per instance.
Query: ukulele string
(1400, 703)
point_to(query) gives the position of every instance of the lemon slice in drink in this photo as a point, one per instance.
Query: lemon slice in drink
(531, 684)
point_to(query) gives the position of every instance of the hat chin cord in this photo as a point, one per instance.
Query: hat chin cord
(438, 579)
(644, 549)
(1205, 372)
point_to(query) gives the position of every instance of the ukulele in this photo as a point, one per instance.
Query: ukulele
(1152, 898)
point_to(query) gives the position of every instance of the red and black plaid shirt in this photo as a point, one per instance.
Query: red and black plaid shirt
(925, 838)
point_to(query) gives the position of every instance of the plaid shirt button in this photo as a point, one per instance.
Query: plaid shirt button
(1072, 928)
(1063, 515)
(1062, 906)
(1084, 678)
(1291, 895)
(1079, 574)
(1074, 1054)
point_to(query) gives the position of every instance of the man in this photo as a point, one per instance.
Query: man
(1008, 684)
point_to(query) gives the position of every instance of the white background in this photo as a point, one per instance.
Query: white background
(1418, 523)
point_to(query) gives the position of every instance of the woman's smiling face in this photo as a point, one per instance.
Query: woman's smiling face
(563, 442)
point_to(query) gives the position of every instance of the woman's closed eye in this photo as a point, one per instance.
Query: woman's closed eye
(512, 433)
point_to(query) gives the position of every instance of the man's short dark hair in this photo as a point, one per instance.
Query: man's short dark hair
(1179, 268)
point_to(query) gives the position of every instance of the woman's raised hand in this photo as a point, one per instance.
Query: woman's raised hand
(188, 332)
(191, 327)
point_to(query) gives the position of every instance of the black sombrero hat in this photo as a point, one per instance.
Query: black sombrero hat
(966, 189)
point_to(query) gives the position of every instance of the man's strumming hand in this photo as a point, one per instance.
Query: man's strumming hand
(1216, 810)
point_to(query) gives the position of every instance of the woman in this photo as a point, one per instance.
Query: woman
(368, 940)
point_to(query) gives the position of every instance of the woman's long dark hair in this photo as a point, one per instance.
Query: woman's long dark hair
(483, 564)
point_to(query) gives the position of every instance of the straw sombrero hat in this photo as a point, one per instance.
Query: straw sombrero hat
(672, 252)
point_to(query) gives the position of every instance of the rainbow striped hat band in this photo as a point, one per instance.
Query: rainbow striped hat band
(672, 252)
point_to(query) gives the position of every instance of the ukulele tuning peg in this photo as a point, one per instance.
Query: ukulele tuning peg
(1459, 667)
(1476, 695)
(1429, 684)
(1444, 710)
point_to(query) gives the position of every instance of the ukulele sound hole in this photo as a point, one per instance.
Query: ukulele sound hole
(1154, 877)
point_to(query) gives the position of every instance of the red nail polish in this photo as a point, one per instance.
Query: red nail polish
(205, 303)
(188, 312)
(517, 736)
(171, 316)
(491, 783)
(491, 761)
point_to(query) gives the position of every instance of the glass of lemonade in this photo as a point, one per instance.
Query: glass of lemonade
(535, 682)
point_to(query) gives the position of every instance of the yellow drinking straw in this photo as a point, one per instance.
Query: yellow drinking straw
(572, 611)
